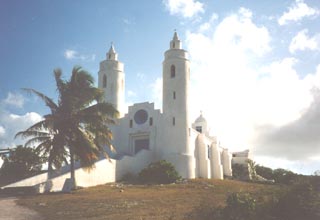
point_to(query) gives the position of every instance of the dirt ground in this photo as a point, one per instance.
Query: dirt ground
(136, 202)
(9, 210)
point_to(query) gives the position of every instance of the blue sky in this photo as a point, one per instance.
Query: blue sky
(255, 65)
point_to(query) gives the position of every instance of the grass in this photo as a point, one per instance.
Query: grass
(124, 201)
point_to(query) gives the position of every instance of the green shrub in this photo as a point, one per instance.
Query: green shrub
(265, 172)
(240, 206)
(240, 172)
(129, 178)
(302, 201)
(161, 172)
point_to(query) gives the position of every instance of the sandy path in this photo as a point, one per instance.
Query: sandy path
(9, 210)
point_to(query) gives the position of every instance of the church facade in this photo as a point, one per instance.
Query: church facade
(145, 134)
(167, 134)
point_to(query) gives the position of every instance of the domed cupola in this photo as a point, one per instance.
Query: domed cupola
(200, 124)
(200, 119)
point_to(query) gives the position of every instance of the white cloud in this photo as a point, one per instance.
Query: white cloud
(184, 8)
(14, 123)
(126, 21)
(303, 42)
(14, 99)
(238, 94)
(141, 76)
(305, 167)
(239, 32)
(75, 55)
(131, 93)
(70, 54)
(296, 139)
(208, 25)
(297, 12)
(156, 89)
(2, 131)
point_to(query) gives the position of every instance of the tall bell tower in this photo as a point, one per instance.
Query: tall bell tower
(112, 79)
(175, 101)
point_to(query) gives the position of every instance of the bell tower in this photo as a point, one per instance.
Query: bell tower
(175, 99)
(112, 79)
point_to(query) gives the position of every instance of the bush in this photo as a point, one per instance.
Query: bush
(161, 172)
(240, 172)
(19, 164)
(302, 201)
(240, 206)
(265, 172)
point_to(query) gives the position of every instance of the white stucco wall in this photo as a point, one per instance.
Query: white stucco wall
(133, 164)
(216, 167)
(202, 157)
(124, 135)
(226, 162)
(30, 181)
(105, 171)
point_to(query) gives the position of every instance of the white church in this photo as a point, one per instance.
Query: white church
(145, 134)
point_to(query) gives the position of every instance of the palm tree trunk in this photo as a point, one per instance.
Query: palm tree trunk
(50, 167)
(72, 170)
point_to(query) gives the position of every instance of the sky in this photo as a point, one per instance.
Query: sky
(255, 65)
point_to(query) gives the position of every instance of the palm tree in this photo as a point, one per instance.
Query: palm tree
(77, 126)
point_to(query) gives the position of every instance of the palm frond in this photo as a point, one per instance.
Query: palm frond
(61, 86)
(41, 125)
(37, 140)
(49, 102)
(102, 108)
(32, 133)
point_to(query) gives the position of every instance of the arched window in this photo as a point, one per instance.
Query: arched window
(173, 71)
(104, 81)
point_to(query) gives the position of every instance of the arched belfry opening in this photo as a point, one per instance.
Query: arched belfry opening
(104, 81)
(173, 71)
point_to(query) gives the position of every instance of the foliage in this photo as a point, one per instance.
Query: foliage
(254, 172)
(77, 127)
(265, 172)
(20, 163)
(280, 176)
(284, 176)
(302, 201)
(252, 169)
(240, 171)
(240, 206)
(161, 172)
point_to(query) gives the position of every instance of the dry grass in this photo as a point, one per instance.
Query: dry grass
(124, 201)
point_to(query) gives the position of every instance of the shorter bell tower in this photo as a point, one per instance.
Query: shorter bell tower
(112, 80)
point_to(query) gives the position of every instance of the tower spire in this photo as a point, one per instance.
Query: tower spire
(175, 35)
(112, 54)
(175, 43)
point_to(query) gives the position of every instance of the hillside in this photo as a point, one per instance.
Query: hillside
(194, 199)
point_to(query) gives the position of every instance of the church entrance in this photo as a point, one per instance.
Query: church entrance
(139, 142)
